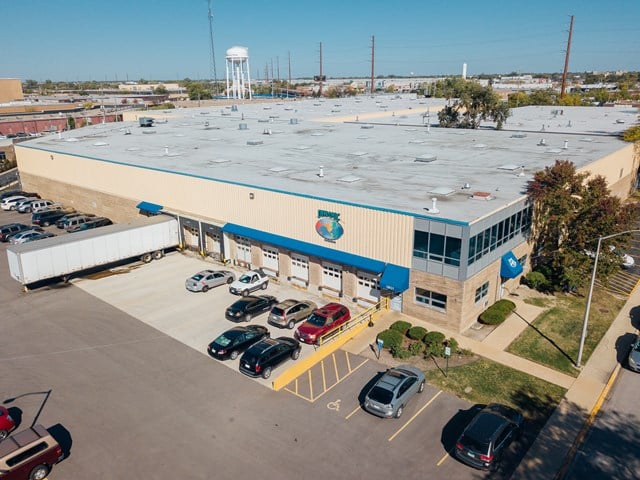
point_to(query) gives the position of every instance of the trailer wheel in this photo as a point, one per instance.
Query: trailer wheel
(65, 279)
(146, 258)
(158, 254)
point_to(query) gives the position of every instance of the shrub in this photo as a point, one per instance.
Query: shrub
(434, 338)
(400, 352)
(497, 313)
(416, 348)
(400, 326)
(391, 338)
(537, 281)
(416, 333)
(453, 345)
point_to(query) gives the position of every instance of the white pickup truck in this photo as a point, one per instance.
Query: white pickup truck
(250, 282)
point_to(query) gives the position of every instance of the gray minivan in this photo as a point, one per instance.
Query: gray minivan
(75, 221)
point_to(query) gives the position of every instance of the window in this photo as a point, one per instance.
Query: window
(452, 251)
(482, 292)
(3, 155)
(431, 299)
(496, 235)
(437, 248)
(21, 457)
(420, 244)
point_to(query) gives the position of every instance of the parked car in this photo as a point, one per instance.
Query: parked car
(488, 435)
(9, 203)
(250, 282)
(289, 312)
(391, 393)
(24, 205)
(62, 222)
(40, 205)
(7, 424)
(48, 217)
(634, 355)
(322, 321)
(235, 341)
(207, 279)
(13, 193)
(261, 358)
(76, 220)
(29, 454)
(248, 307)
(29, 236)
(9, 230)
(95, 222)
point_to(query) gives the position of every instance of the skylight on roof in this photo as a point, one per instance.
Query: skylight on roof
(100, 144)
(302, 147)
(426, 158)
(349, 179)
(358, 154)
(278, 169)
(443, 191)
(510, 167)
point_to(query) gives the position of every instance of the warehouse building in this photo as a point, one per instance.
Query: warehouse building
(358, 199)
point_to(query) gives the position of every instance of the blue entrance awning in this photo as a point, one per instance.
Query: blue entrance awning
(395, 278)
(510, 267)
(305, 248)
(149, 207)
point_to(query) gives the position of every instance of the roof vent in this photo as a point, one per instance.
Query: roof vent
(321, 172)
(434, 208)
(426, 158)
(234, 108)
(243, 126)
(145, 121)
(366, 126)
(466, 186)
(566, 145)
(148, 131)
(293, 121)
(266, 131)
(254, 142)
(127, 132)
(481, 196)
(519, 135)
(542, 142)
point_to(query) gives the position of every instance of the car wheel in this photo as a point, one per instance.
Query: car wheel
(399, 411)
(3, 434)
(295, 354)
(266, 373)
(245, 293)
(233, 355)
(421, 387)
(247, 317)
(205, 289)
(291, 324)
(229, 280)
(39, 473)
(264, 285)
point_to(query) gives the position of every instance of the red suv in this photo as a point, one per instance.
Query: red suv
(322, 321)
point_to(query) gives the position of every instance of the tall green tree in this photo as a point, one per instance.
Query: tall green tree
(571, 211)
(473, 104)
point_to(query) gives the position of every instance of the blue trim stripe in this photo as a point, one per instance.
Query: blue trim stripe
(310, 249)
(149, 207)
(275, 190)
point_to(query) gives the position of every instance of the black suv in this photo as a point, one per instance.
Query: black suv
(488, 435)
(267, 354)
(47, 217)
(250, 306)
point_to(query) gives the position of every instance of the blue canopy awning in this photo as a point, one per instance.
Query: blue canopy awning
(305, 248)
(395, 278)
(510, 267)
(149, 207)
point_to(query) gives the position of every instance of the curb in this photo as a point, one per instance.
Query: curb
(587, 424)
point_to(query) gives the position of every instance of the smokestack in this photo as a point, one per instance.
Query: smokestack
(464, 71)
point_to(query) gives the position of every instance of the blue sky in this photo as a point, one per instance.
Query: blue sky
(71, 40)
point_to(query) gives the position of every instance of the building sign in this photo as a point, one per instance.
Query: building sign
(328, 225)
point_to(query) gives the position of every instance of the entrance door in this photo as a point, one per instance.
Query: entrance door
(243, 250)
(299, 269)
(332, 276)
(396, 302)
(270, 260)
(368, 288)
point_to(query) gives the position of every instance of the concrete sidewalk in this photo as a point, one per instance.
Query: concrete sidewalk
(548, 453)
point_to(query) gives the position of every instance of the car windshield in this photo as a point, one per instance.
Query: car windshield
(636, 347)
(317, 320)
(381, 395)
(245, 279)
(197, 277)
(240, 305)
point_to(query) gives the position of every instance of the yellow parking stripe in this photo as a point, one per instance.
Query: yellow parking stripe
(446, 455)
(310, 386)
(416, 414)
(348, 362)
(331, 386)
(298, 395)
(358, 408)
(324, 377)
(335, 366)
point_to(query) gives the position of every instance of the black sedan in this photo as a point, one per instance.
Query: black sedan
(261, 358)
(235, 341)
(248, 307)
(489, 434)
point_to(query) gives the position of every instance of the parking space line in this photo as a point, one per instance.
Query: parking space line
(310, 386)
(446, 455)
(324, 377)
(335, 366)
(298, 395)
(340, 379)
(414, 416)
(359, 407)
(348, 362)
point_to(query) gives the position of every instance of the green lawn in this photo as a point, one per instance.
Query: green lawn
(554, 337)
(484, 381)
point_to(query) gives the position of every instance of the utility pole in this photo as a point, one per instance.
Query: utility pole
(289, 84)
(373, 49)
(320, 90)
(566, 61)
(213, 73)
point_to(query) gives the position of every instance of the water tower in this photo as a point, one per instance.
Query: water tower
(238, 72)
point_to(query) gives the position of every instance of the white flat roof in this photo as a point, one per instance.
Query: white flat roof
(374, 151)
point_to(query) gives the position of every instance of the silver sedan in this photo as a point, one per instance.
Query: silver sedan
(207, 279)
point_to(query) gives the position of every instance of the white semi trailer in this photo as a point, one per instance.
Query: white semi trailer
(145, 238)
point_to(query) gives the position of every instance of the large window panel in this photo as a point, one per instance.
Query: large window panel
(436, 247)
(452, 251)
(420, 244)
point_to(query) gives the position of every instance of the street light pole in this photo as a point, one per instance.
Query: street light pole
(593, 281)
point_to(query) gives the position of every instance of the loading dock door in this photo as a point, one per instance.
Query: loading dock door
(213, 243)
(299, 269)
(243, 250)
(270, 260)
(368, 288)
(332, 276)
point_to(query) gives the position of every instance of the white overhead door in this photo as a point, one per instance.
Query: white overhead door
(368, 288)
(299, 269)
(213, 243)
(243, 249)
(332, 276)
(270, 260)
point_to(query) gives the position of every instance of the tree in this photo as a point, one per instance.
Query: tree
(474, 104)
(198, 91)
(571, 211)
(160, 90)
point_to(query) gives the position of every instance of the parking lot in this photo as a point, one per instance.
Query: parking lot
(124, 353)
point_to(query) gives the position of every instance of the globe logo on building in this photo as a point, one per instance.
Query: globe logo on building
(328, 225)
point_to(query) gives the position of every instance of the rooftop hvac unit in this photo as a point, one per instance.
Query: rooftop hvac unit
(146, 121)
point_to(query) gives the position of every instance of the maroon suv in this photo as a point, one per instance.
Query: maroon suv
(321, 322)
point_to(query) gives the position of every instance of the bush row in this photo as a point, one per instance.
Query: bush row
(404, 340)
(497, 313)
